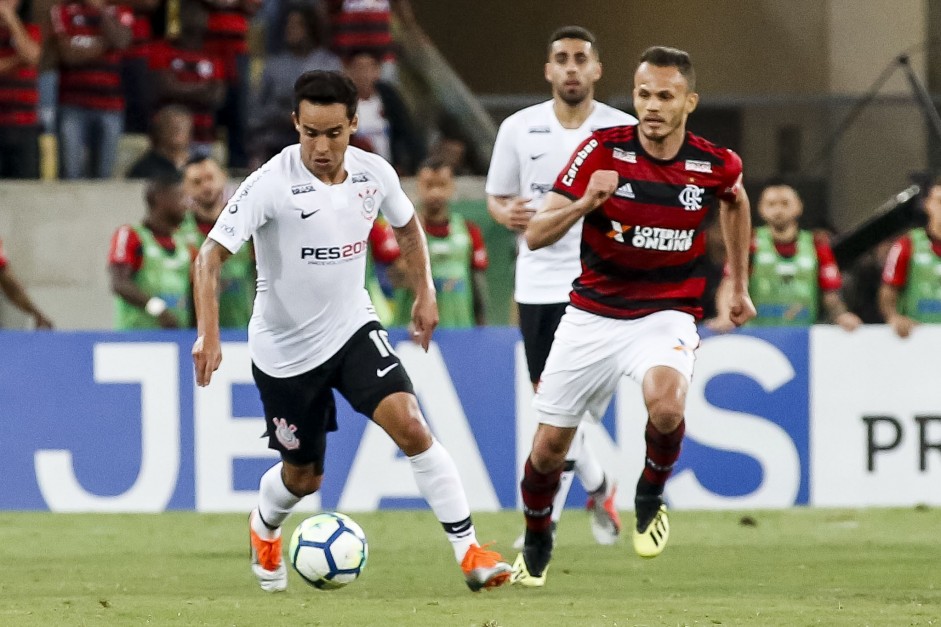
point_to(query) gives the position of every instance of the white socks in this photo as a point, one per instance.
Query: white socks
(439, 483)
(275, 502)
(586, 467)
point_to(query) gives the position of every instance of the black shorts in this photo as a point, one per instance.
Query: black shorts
(300, 410)
(538, 324)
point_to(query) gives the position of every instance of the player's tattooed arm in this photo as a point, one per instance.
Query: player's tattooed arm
(207, 350)
(417, 267)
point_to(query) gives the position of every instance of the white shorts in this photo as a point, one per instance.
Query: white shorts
(591, 353)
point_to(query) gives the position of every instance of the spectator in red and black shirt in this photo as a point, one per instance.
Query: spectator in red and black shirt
(90, 37)
(135, 75)
(19, 123)
(227, 37)
(186, 74)
(13, 290)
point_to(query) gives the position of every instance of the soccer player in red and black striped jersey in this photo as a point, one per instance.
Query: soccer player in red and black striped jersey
(646, 193)
(19, 122)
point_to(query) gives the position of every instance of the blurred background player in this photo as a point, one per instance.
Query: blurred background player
(150, 263)
(19, 118)
(636, 302)
(457, 251)
(532, 146)
(16, 293)
(207, 190)
(171, 135)
(792, 271)
(911, 282)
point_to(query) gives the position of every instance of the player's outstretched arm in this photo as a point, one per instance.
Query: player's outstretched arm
(558, 214)
(207, 350)
(417, 269)
(735, 219)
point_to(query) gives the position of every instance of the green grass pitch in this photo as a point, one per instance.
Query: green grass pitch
(793, 567)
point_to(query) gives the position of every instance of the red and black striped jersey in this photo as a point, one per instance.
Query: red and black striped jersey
(142, 35)
(361, 25)
(190, 66)
(95, 85)
(3, 258)
(643, 250)
(227, 31)
(18, 93)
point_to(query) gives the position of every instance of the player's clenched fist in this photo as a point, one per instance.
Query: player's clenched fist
(600, 186)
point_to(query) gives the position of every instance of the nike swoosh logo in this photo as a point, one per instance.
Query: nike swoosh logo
(534, 157)
(384, 371)
(304, 216)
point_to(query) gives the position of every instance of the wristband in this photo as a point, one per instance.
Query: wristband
(155, 306)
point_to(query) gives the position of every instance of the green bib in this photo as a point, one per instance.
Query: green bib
(784, 289)
(451, 272)
(921, 299)
(236, 280)
(162, 274)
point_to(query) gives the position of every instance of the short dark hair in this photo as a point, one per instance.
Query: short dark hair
(197, 159)
(326, 88)
(664, 56)
(572, 32)
(435, 162)
(160, 183)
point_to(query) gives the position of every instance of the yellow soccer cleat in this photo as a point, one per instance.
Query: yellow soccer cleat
(522, 577)
(651, 541)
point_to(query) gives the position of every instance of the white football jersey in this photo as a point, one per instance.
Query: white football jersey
(310, 247)
(531, 149)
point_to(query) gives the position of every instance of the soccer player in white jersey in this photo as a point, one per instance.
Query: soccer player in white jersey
(532, 146)
(313, 328)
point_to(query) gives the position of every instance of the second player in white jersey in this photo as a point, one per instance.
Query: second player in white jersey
(531, 149)
(320, 233)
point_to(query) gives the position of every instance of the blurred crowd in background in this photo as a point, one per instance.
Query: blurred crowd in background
(186, 93)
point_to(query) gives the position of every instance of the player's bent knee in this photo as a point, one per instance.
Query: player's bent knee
(398, 414)
(666, 419)
(550, 447)
(301, 480)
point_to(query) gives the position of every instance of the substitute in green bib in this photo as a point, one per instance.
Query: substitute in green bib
(458, 254)
(149, 263)
(793, 273)
(911, 281)
(207, 190)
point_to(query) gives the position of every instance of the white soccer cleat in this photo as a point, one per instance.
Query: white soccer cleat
(267, 561)
(605, 520)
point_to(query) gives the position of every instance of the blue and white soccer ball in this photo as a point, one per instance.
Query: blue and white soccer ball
(329, 550)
